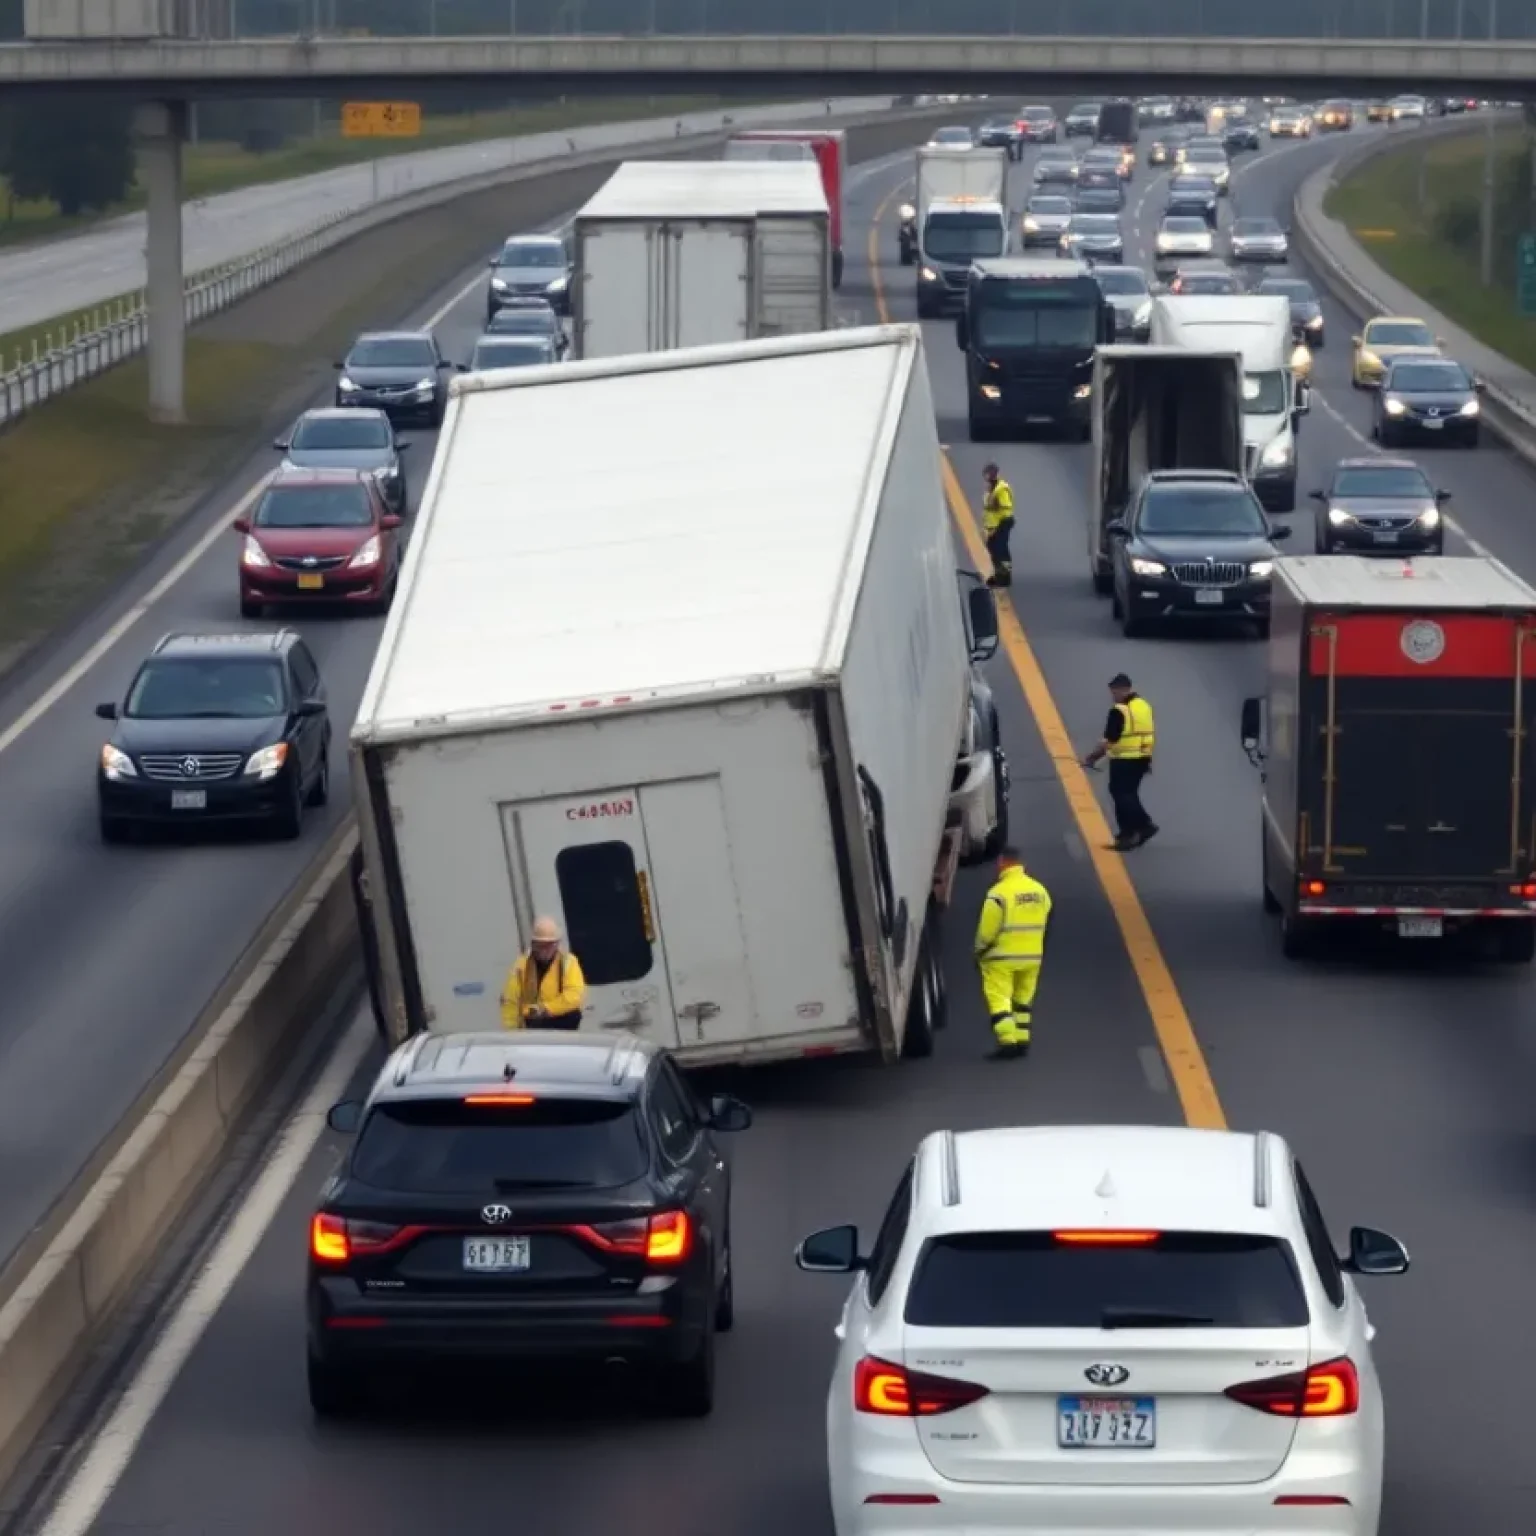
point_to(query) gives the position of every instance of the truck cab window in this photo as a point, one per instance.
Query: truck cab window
(607, 914)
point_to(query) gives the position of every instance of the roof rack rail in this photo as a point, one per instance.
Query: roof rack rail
(407, 1059)
(949, 1168)
(1261, 1144)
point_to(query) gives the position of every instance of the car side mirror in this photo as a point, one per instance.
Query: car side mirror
(1439, 341)
(389, 522)
(338, 366)
(728, 1114)
(310, 707)
(491, 264)
(443, 362)
(346, 1116)
(241, 525)
(1374, 1253)
(458, 367)
(1354, 341)
(404, 447)
(962, 332)
(1318, 495)
(1441, 496)
(281, 445)
(1252, 723)
(1280, 532)
(981, 615)
(1480, 386)
(1116, 528)
(106, 711)
(832, 1251)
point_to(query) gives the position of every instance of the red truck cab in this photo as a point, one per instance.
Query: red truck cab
(830, 147)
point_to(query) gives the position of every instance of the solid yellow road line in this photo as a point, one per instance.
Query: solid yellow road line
(1187, 1066)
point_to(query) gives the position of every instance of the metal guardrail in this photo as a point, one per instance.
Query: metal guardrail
(119, 331)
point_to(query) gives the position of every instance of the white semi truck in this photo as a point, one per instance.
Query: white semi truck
(686, 253)
(736, 745)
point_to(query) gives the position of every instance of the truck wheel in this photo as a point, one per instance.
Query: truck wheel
(1130, 626)
(1297, 936)
(917, 1042)
(837, 269)
(1271, 905)
(997, 839)
(1517, 942)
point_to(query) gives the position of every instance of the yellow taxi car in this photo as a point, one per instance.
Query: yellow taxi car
(1378, 112)
(1385, 338)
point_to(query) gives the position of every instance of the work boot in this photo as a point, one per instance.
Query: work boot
(1013, 1050)
(1148, 833)
(1123, 843)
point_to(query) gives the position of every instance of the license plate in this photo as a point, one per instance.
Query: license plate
(1433, 423)
(1211, 596)
(189, 799)
(495, 1255)
(1384, 538)
(1106, 1423)
(1420, 927)
(311, 583)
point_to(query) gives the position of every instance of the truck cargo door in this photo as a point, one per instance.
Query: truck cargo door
(696, 909)
(585, 862)
(792, 262)
(708, 284)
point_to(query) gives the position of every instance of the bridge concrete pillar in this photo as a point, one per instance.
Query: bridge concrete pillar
(160, 129)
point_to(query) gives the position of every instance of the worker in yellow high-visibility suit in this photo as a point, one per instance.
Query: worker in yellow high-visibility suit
(1010, 946)
(997, 525)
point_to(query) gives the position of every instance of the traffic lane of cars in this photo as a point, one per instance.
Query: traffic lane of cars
(1403, 1086)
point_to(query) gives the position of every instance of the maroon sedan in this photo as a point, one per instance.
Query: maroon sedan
(319, 535)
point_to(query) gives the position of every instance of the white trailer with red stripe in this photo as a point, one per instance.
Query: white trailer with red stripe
(1399, 777)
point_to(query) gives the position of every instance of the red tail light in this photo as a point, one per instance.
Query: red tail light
(666, 1238)
(328, 1240)
(337, 1240)
(893, 1390)
(1326, 1391)
(1095, 1237)
(482, 1099)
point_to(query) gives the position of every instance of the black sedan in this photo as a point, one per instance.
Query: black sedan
(1306, 311)
(1240, 136)
(1380, 506)
(1055, 166)
(1426, 397)
(401, 373)
(1193, 544)
(1193, 196)
(525, 1199)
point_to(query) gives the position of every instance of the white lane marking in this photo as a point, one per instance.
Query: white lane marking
(111, 638)
(91, 1484)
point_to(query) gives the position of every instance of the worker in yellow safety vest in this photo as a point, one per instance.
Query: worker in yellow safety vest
(1128, 741)
(1010, 947)
(545, 988)
(997, 525)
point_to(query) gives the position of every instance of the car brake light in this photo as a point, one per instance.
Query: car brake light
(1313, 888)
(901, 1498)
(665, 1238)
(1106, 1238)
(883, 1388)
(328, 1240)
(1310, 1500)
(1326, 1391)
(1526, 892)
(338, 1240)
(499, 1098)
(669, 1239)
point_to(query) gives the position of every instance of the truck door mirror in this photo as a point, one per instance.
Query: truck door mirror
(962, 331)
(1117, 529)
(982, 608)
(1252, 728)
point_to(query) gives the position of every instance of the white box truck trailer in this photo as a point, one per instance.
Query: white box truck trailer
(732, 747)
(679, 253)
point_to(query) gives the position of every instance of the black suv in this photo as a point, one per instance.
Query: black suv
(532, 1197)
(221, 727)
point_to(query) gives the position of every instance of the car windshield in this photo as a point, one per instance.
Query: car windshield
(510, 353)
(342, 432)
(448, 1148)
(1095, 224)
(1085, 109)
(1037, 114)
(1397, 481)
(963, 236)
(207, 688)
(1192, 510)
(1178, 1279)
(1398, 333)
(1049, 205)
(515, 254)
(1265, 394)
(1293, 288)
(525, 322)
(393, 352)
(1192, 188)
(314, 506)
(1121, 282)
(1207, 283)
(1255, 227)
(951, 136)
(1429, 377)
(1019, 319)
(1199, 153)
(1182, 226)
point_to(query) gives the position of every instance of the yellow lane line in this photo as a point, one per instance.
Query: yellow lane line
(1175, 1033)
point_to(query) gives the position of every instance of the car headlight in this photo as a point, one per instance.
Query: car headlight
(268, 762)
(1393, 407)
(1262, 570)
(499, 284)
(1430, 518)
(1338, 516)
(1315, 323)
(1143, 315)
(906, 213)
(1369, 358)
(368, 553)
(253, 554)
(116, 765)
(928, 275)
(1164, 243)
(346, 386)
(1140, 567)
(991, 392)
(558, 285)
(1472, 408)
(1031, 226)
(1082, 391)
(425, 386)
(1277, 452)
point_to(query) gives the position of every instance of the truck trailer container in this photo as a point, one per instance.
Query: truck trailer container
(736, 749)
(687, 253)
(827, 146)
(1399, 786)
(1156, 408)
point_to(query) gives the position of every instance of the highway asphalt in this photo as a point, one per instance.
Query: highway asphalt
(1404, 1087)
(58, 277)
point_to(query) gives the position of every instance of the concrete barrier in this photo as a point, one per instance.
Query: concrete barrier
(1361, 285)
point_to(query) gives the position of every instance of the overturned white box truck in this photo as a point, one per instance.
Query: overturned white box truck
(735, 747)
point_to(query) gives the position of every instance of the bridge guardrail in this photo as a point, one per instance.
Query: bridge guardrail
(91, 348)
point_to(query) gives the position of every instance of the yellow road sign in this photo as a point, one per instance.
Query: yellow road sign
(381, 120)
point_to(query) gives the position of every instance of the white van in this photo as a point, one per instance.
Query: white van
(1258, 328)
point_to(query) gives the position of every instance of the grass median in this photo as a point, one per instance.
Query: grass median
(1417, 210)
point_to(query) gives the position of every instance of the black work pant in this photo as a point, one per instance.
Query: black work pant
(1125, 776)
(556, 1021)
(998, 553)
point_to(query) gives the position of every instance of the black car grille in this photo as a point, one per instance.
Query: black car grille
(1383, 524)
(1209, 573)
(1433, 412)
(190, 767)
(311, 563)
(954, 281)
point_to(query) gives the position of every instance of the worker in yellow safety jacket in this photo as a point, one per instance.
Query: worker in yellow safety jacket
(1129, 736)
(1010, 947)
(545, 988)
(997, 525)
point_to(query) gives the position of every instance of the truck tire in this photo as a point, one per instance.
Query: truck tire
(1517, 942)
(997, 839)
(917, 1040)
(1297, 936)
(1271, 904)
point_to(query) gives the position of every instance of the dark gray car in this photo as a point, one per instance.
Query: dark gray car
(1306, 311)
(1129, 294)
(529, 320)
(1380, 506)
(512, 352)
(1094, 237)
(399, 372)
(350, 439)
(1427, 398)
(533, 267)
(1054, 167)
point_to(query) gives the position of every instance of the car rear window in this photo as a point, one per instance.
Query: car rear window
(453, 1148)
(1036, 1280)
(342, 432)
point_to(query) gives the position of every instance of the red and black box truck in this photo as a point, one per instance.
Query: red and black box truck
(827, 146)
(1395, 743)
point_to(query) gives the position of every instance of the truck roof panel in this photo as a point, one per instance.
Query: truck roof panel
(673, 524)
(1440, 581)
(721, 189)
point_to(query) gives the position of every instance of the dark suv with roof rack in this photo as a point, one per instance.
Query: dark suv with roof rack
(525, 1197)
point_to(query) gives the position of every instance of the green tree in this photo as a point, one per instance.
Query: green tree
(73, 151)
